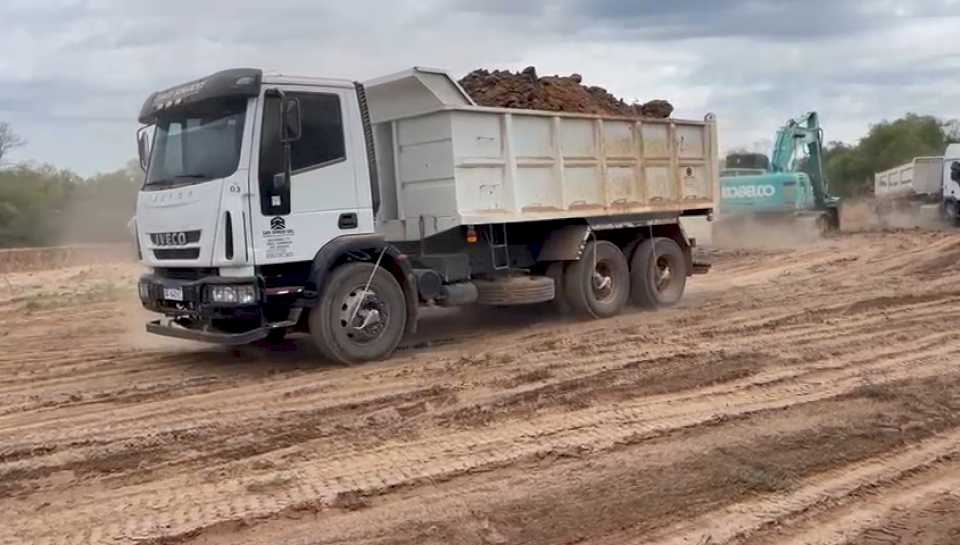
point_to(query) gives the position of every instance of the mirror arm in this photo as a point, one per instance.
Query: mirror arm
(142, 150)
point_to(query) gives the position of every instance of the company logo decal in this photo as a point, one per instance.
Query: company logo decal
(279, 239)
(747, 191)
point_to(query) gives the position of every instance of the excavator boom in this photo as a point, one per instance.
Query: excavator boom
(803, 133)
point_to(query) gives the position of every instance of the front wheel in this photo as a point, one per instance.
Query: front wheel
(352, 324)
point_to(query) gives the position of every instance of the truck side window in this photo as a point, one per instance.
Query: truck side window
(955, 171)
(271, 156)
(322, 139)
(321, 142)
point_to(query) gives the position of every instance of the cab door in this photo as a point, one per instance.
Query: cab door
(322, 201)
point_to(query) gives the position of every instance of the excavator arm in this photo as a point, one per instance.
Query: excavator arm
(803, 131)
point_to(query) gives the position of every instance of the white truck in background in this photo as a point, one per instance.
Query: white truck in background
(931, 182)
(275, 203)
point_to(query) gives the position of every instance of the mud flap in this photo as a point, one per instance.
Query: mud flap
(565, 244)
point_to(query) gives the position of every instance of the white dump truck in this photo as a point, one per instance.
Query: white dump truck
(275, 204)
(931, 182)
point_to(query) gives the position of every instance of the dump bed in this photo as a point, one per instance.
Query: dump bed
(920, 177)
(443, 161)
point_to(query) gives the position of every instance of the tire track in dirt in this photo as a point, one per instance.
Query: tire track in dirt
(845, 486)
(587, 383)
(923, 515)
(642, 485)
(678, 372)
(438, 459)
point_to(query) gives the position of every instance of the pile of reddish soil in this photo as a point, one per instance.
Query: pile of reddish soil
(506, 89)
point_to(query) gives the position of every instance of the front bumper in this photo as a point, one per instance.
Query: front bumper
(192, 316)
(193, 297)
(157, 327)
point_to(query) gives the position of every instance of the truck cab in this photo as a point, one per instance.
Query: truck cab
(238, 165)
(951, 183)
(218, 193)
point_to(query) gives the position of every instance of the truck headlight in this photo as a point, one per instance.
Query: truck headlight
(232, 294)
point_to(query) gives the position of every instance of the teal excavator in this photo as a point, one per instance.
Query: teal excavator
(789, 187)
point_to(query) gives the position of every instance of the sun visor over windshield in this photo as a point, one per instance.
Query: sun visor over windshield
(238, 82)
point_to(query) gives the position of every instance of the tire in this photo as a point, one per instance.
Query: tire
(515, 290)
(337, 327)
(648, 288)
(559, 305)
(599, 295)
(951, 211)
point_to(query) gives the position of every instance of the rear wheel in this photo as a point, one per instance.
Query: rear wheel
(658, 273)
(598, 285)
(355, 325)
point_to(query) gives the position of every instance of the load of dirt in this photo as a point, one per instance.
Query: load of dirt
(526, 90)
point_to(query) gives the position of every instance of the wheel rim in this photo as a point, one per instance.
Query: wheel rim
(363, 315)
(603, 282)
(662, 274)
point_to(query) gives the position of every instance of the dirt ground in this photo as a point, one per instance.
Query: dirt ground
(797, 396)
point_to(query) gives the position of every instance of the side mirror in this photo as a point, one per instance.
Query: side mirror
(143, 147)
(290, 113)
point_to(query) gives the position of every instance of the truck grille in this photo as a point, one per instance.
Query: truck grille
(185, 273)
(177, 253)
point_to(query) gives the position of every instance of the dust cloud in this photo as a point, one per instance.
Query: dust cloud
(752, 233)
(869, 214)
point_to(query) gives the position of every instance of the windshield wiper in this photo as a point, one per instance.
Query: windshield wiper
(192, 177)
(178, 181)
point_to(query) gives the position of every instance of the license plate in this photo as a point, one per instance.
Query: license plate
(173, 294)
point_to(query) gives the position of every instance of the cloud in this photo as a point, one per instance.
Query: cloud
(768, 20)
(80, 69)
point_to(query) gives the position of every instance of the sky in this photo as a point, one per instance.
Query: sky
(74, 73)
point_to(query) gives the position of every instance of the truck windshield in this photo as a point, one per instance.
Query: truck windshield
(193, 147)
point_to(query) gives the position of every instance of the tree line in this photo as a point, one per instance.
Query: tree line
(850, 168)
(41, 205)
